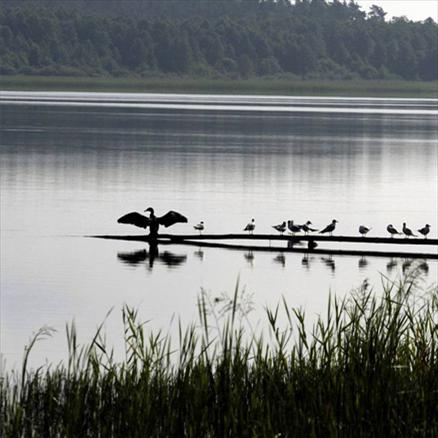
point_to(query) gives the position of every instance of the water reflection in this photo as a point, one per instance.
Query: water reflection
(305, 261)
(166, 258)
(280, 259)
(329, 262)
(199, 253)
(406, 265)
(362, 263)
(424, 267)
(249, 257)
(391, 265)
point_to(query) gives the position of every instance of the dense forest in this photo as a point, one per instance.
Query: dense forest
(311, 39)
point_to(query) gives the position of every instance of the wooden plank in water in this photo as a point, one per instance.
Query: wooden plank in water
(165, 240)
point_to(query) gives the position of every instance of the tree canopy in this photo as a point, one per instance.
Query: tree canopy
(228, 38)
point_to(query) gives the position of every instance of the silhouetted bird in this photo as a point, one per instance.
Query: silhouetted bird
(364, 230)
(250, 227)
(293, 228)
(329, 228)
(280, 228)
(407, 231)
(153, 222)
(391, 230)
(199, 227)
(425, 230)
(306, 227)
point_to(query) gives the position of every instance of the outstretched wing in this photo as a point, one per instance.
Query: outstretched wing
(170, 218)
(136, 219)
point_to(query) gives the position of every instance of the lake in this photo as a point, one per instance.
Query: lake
(72, 163)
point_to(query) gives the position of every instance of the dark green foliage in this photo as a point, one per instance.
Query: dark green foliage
(369, 368)
(238, 39)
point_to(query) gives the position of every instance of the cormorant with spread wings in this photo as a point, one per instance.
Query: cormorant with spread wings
(153, 222)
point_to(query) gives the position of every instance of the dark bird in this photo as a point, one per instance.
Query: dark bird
(250, 227)
(305, 227)
(391, 230)
(425, 230)
(364, 230)
(293, 228)
(153, 222)
(280, 228)
(407, 231)
(329, 228)
(199, 227)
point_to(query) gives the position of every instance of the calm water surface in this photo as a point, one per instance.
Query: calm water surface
(71, 164)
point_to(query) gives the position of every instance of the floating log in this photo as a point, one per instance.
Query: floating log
(168, 239)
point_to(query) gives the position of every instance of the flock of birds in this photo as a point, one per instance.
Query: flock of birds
(306, 228)
(172, 217)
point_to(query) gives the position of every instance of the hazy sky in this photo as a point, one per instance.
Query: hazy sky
(413, 9)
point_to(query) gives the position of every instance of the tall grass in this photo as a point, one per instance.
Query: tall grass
(369, 367)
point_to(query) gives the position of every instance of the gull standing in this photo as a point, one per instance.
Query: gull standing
(293, 228)
(391, 230)
(199, 227)
(329, 228)
(407, 231)
(306, 227)
(280, 228)
(425, 230)
(250, 227)
(364, 230)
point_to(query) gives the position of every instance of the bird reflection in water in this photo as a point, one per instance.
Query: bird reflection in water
(329, 262)
(391, 265)
(199, 253)
(406, 265)
(423, 267)
(166, 258)
(281, 259)
(305, 261)
(249, 257)
(363, 262)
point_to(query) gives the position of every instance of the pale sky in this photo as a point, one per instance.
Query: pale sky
(416, 10)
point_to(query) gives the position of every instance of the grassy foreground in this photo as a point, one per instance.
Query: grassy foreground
(368, 368)
(283, 86)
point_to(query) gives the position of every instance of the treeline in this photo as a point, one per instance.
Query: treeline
(311, 39)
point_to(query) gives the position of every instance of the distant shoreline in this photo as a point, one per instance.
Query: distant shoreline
(265, 86)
